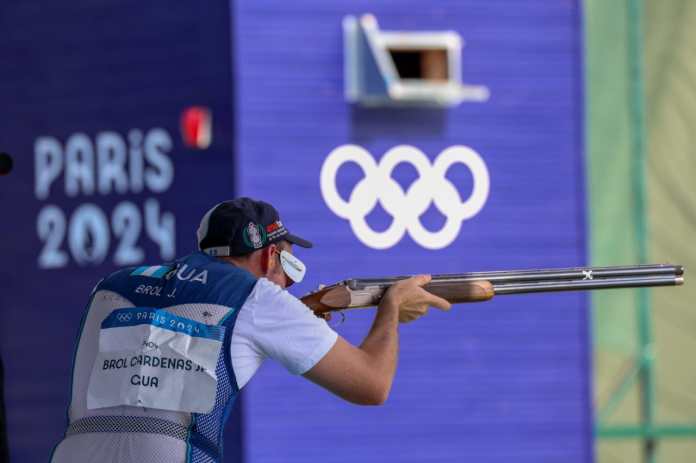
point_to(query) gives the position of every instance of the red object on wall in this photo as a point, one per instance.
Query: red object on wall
(196, 125)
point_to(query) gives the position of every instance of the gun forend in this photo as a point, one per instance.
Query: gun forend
(342, 296)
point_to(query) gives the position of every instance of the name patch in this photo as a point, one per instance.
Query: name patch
(149, 357)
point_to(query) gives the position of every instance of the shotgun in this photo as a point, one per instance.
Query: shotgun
(482, 286)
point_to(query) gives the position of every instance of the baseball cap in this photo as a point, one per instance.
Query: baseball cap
(241, 226)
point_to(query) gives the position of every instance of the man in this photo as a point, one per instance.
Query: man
(164, 350)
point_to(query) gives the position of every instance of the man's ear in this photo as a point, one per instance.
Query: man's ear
(267, 259)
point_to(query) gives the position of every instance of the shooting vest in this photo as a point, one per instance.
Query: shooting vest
(149, 343)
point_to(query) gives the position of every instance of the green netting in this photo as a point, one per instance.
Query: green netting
(613, 232)
(670, 57)
(615, 103)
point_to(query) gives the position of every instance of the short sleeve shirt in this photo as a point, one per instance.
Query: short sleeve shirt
(274, 324)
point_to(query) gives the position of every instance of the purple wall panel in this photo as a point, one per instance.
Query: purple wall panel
(495, 382)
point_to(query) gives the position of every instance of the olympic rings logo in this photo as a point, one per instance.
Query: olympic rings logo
(405, 207)
(124, 317)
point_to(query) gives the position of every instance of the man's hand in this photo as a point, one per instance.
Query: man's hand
(413, 301)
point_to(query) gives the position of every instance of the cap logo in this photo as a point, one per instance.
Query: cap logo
(275, 230)
(254, 235)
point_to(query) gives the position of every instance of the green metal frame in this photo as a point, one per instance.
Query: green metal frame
(642, 371)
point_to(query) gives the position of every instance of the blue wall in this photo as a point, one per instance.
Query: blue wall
(502, 381)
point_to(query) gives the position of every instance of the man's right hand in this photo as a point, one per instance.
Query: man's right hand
(413, 301)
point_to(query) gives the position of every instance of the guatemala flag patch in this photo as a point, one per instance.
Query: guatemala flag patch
(155, 271)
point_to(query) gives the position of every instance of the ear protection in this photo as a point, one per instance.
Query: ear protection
(293, 267)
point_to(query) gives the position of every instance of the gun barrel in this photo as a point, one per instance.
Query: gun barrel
(575, 285)
(605, 277)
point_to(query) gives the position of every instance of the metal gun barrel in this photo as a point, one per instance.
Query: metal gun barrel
(574, 285)
(616, 274)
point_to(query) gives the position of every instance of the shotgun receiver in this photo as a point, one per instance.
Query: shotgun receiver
(482, 286)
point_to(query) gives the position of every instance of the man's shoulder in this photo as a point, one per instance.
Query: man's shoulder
(115, 279)
(195, 277)
(230, 285)
(272, 298)
(150, 273)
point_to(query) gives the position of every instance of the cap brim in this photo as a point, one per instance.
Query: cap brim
(294, 239)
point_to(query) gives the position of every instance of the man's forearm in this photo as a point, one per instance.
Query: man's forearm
(364, 374)
(382, 343)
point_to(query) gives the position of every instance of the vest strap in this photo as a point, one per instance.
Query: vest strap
(135, 424)
(143, 424)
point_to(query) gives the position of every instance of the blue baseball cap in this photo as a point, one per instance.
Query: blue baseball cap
(241, 226)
